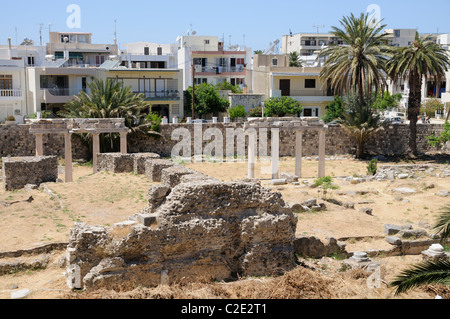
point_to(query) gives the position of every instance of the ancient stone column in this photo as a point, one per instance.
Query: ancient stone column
(322, 153)
(275, 153)
(95, 150)
(68, 158)
(251, 154)
(123, 143)
(39, 144)
(298, 153)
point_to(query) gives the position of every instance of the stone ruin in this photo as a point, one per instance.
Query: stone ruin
(21, 171)
(194, 228)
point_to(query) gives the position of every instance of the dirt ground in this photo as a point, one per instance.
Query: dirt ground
(107, 198)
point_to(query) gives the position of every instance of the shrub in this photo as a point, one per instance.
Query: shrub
(325, 182)
(156, 121)
(11, 118)
(430, 106)
(444, 137)
(282, 106)
(372, 167)
(237, 112)
(255, 112)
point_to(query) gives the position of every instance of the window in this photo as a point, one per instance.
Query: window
(199, 81)
(99, 59)
(206, 41)
(82, 39)
(275, 62)
(160, 52)
(5, 82)
(310, 84)
(397, 33)
(240, 61)
(146, 51)
(65, 38)
(30, 60)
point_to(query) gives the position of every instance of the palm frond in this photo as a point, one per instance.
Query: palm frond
(429, 272)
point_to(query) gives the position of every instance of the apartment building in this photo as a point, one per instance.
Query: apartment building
(77, 49)
(14, 60)
(162, 86)
(308, 45)
(147, 55)
(273, 76)
(206, 60)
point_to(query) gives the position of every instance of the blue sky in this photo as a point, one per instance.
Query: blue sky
(256, 22)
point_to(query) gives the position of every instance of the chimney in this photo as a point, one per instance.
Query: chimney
(9, 43)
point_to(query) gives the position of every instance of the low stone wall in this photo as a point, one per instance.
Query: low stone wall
(312, 247)
(124, 163)
(20, 171)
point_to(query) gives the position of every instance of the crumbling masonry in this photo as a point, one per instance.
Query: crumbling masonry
(194, 228)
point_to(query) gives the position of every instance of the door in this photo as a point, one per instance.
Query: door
(160, 87)
(285, 87)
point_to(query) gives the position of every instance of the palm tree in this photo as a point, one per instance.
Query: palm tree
(294, 60)
(360, 121)
(357, 66)
(109, 99)
(428, 272)
(422, 58)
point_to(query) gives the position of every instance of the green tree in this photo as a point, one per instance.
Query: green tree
(207, 100)
(258, 52)
(282, 106)
(294, 59)
(356, 67)
(422, 58)
(386, 100)
(334, 110)
(360, 121)
(227, 86)
(110, 99)
(428, 272)
(237, 112)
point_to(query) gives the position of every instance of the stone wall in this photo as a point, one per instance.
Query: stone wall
(20, 171)
(124, 163)
(393, 140)
(16, 141)
(195, 228)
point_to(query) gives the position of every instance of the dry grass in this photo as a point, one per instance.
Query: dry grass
(106, 199)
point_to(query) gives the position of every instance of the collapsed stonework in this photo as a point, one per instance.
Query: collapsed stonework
(194, 228)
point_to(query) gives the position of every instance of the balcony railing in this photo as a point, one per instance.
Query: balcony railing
(11, 93)
(309, 93)
(64, 91)
(160, 95)
(220, 70)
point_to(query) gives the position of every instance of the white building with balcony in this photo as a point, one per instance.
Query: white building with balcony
(204, 59)
(13, 79)
(273, 76)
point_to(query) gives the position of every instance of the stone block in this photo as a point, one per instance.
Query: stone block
(154, 167)
(140, 159)
(115, 162)
(21, 171)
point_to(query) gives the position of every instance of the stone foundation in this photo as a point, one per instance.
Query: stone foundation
(194, 228)
(124, 163)
(20, 171)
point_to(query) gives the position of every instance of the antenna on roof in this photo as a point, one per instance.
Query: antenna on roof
(317, 27)
(115, 32)
(41, 26)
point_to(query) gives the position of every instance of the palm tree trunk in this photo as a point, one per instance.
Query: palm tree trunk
(415, 99)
